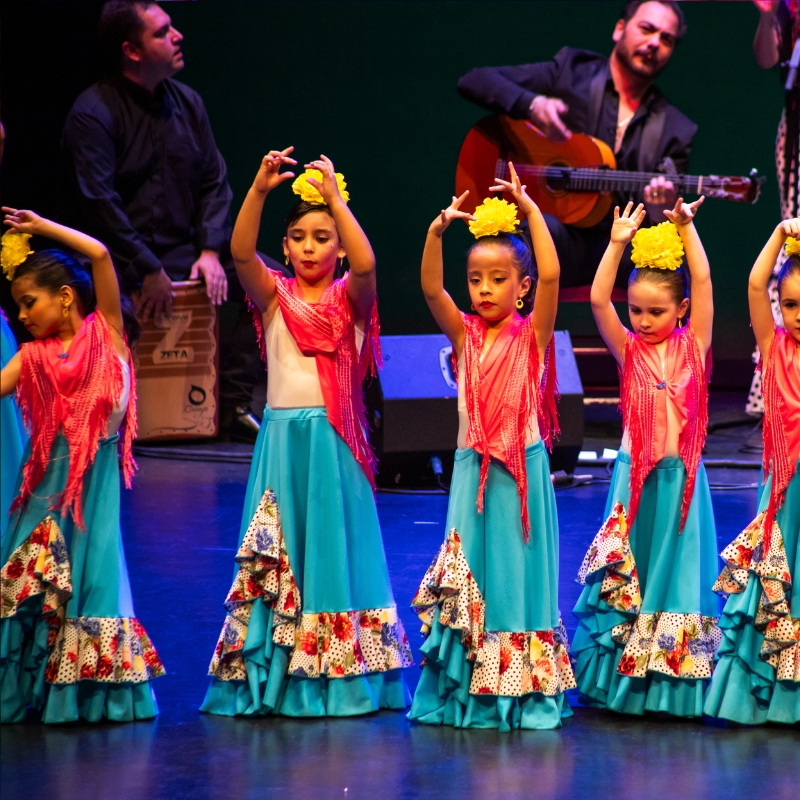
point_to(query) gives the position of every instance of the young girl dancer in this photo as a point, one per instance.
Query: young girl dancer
(496, 654)
(646, 618)
(312, 628)
(757, 677)
(70, 644)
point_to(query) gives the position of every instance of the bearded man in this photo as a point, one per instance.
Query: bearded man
(613, 99)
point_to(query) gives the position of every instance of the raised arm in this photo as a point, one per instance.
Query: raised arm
(766, 44)
(104, 276)
(611, 329)
(757, 288)
(444, 310)
(361, 284)
(9, 375)
(255, 278)
(545, 304)
(701, 295)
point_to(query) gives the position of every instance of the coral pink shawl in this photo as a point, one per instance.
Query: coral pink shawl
(781, 390)
(74, 395)
(643, 403)
(326, 331)
(503, 390)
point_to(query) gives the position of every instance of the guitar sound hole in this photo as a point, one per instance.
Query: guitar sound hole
(556, 177)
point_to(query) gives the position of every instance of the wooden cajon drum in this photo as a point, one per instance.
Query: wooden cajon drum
(178, 369)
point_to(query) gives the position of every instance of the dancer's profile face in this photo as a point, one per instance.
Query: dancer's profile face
(40, 311)
(494, 282)
(313, 247)
(653, 311)
(646, 41)
(790, 305)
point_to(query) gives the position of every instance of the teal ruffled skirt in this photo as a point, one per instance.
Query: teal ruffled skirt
(757, 677)
(312, 628)
(71, 646)
(496, 655)
(12, 432)
(647, 615)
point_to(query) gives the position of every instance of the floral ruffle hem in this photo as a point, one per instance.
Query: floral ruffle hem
(327, 645)
(114, 653)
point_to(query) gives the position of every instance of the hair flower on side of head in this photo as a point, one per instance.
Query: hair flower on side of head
(14, 251)
(659, 246)
(792, 246)
(310, 194)
(493, 216)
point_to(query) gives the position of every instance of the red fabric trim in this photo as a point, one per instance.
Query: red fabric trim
(73, 395)
(326, 330)
(781, 428)
(643, 407)
(514, 394)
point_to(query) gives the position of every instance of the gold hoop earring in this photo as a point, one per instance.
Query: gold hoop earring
(287, 260)
(519, 303)
(65, 310)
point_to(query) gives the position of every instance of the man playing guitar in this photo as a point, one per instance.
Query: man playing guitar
(613, 99)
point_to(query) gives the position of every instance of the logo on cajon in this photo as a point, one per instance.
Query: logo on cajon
(168, 351)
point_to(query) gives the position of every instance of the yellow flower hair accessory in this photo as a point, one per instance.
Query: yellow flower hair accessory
(310, 194)
(660, 247)
(792, 247)
(493, 216)
(14, 251)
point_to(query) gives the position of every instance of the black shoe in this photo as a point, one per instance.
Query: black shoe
(244, 425)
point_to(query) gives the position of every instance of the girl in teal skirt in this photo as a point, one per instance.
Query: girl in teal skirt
(496, 652)
(757, 677)
(312, 627)
(646, 616)
(71, 646)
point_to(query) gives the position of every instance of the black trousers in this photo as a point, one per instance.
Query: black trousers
(580, 250)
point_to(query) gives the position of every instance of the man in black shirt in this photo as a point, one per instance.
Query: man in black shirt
(150, 183)
(613, 99)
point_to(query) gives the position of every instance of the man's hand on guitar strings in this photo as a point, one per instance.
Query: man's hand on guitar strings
(442, 222)
(625, 226)
(515, 187)
(545, 113)
(659, 194)
(684, 213)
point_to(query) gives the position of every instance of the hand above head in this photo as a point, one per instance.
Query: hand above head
(156, 297)
(328, 187)
(515, 187)
(269, 175)
(683, 213)
(767, 6)
(22, 220)
(208, 266)
(625, 226)
(790, 227)
(545, 113)
(442, 222)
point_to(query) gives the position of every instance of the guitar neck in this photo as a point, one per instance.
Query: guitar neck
(589, 179)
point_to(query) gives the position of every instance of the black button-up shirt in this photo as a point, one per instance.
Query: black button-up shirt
(570, 76)
(147, 177)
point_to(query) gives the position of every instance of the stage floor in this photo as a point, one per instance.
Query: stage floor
(181, 524)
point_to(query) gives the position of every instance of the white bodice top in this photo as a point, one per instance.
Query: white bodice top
(118, 414)
(292, 378)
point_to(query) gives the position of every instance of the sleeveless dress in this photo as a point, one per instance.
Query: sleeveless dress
(496, 654)
(12, 432)
(71, 646)
(312, 627)
(647, 615)
(757, 677)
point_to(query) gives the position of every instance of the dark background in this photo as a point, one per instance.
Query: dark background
(372, 85)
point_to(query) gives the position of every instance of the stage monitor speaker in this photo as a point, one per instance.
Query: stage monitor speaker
(412, 407)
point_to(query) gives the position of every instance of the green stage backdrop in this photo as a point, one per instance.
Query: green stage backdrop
(373, 85)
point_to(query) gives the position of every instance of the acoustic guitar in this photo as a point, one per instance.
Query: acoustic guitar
(573, 181)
